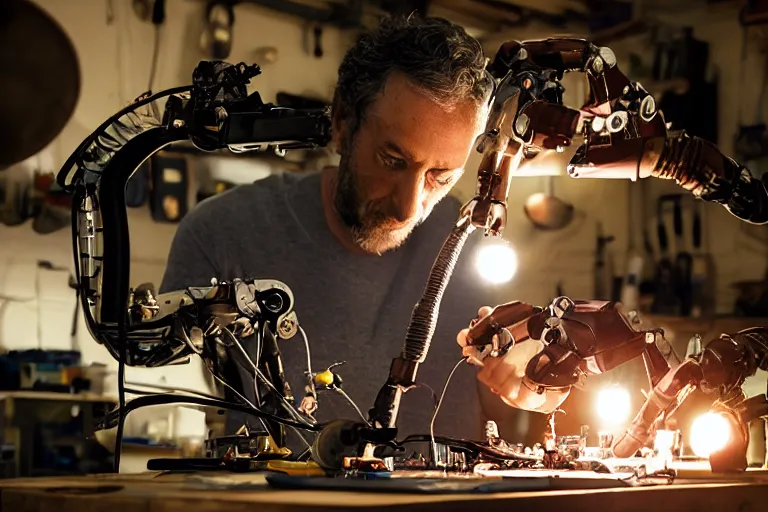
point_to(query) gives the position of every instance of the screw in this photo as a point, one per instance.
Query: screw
(286, 326)
(178, 123)
(522, 54)
(608, 56)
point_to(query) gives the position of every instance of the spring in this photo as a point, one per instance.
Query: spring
(699, 167)
(681, 161)
(424, 318)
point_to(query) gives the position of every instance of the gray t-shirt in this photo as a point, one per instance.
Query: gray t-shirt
(353, 307)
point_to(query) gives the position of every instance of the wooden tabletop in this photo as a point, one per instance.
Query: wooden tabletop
(214, 492)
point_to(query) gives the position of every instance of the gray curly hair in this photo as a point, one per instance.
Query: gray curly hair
(438, 56)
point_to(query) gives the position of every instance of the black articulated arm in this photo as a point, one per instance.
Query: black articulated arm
(214, 113)
(140, 328)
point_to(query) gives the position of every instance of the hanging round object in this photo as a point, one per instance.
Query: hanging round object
(41, 80)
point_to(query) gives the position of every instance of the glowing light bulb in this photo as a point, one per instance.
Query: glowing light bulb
(664, 440)
(613, 405)
(710, 432)
(496, 262)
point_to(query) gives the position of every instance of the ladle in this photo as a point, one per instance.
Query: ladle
(546, 211)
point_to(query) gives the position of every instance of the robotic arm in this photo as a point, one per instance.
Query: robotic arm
(582, 338)
(214, 113)
(140, 328)
(623, 135)
(622, 132)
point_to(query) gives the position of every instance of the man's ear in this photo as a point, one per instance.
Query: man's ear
(339, 127)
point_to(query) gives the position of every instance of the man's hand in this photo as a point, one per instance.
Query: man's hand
(505, 375)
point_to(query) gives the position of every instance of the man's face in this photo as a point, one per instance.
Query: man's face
(405, 156)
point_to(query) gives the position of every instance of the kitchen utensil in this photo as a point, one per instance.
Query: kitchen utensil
(603, 266)
(630, 285)
(683, 261)
(546, 211)
(665, 299)
(702, 271)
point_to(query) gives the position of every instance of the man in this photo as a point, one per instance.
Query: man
(356, 243)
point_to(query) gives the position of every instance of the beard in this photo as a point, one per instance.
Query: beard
(374, 227)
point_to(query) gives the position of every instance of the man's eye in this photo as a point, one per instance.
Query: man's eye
(393, 162)
(443, 180)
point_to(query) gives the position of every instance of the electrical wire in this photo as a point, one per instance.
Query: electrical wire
(352, 403)
(121, 412)
(241, 397)
(245, 400)
(428, 388)
(169, 398)
(261, 376)
(309, 365)
(437, 409)
(306, 443)
(172, 391)
(263, 424)
(189, 391)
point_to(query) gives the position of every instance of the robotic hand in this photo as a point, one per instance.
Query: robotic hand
(622, 132)
(532, 357)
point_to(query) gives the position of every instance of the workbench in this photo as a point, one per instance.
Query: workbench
(227, 492)
(46, 434)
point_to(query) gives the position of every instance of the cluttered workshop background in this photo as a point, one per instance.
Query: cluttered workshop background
(601, 239)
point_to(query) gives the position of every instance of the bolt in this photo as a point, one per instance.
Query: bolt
(521, 125)
(617, 121)
(522, 54)
(597, 65)
(647, 108)
(598, 124)
(178, 123)
(286, 326)
(559, 148)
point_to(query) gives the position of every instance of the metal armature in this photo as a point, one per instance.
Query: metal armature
(621, 135)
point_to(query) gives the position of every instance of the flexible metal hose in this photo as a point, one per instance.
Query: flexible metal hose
(424, 318)
(699, 167)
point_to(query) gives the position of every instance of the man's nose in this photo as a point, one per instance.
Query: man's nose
(408, 198)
